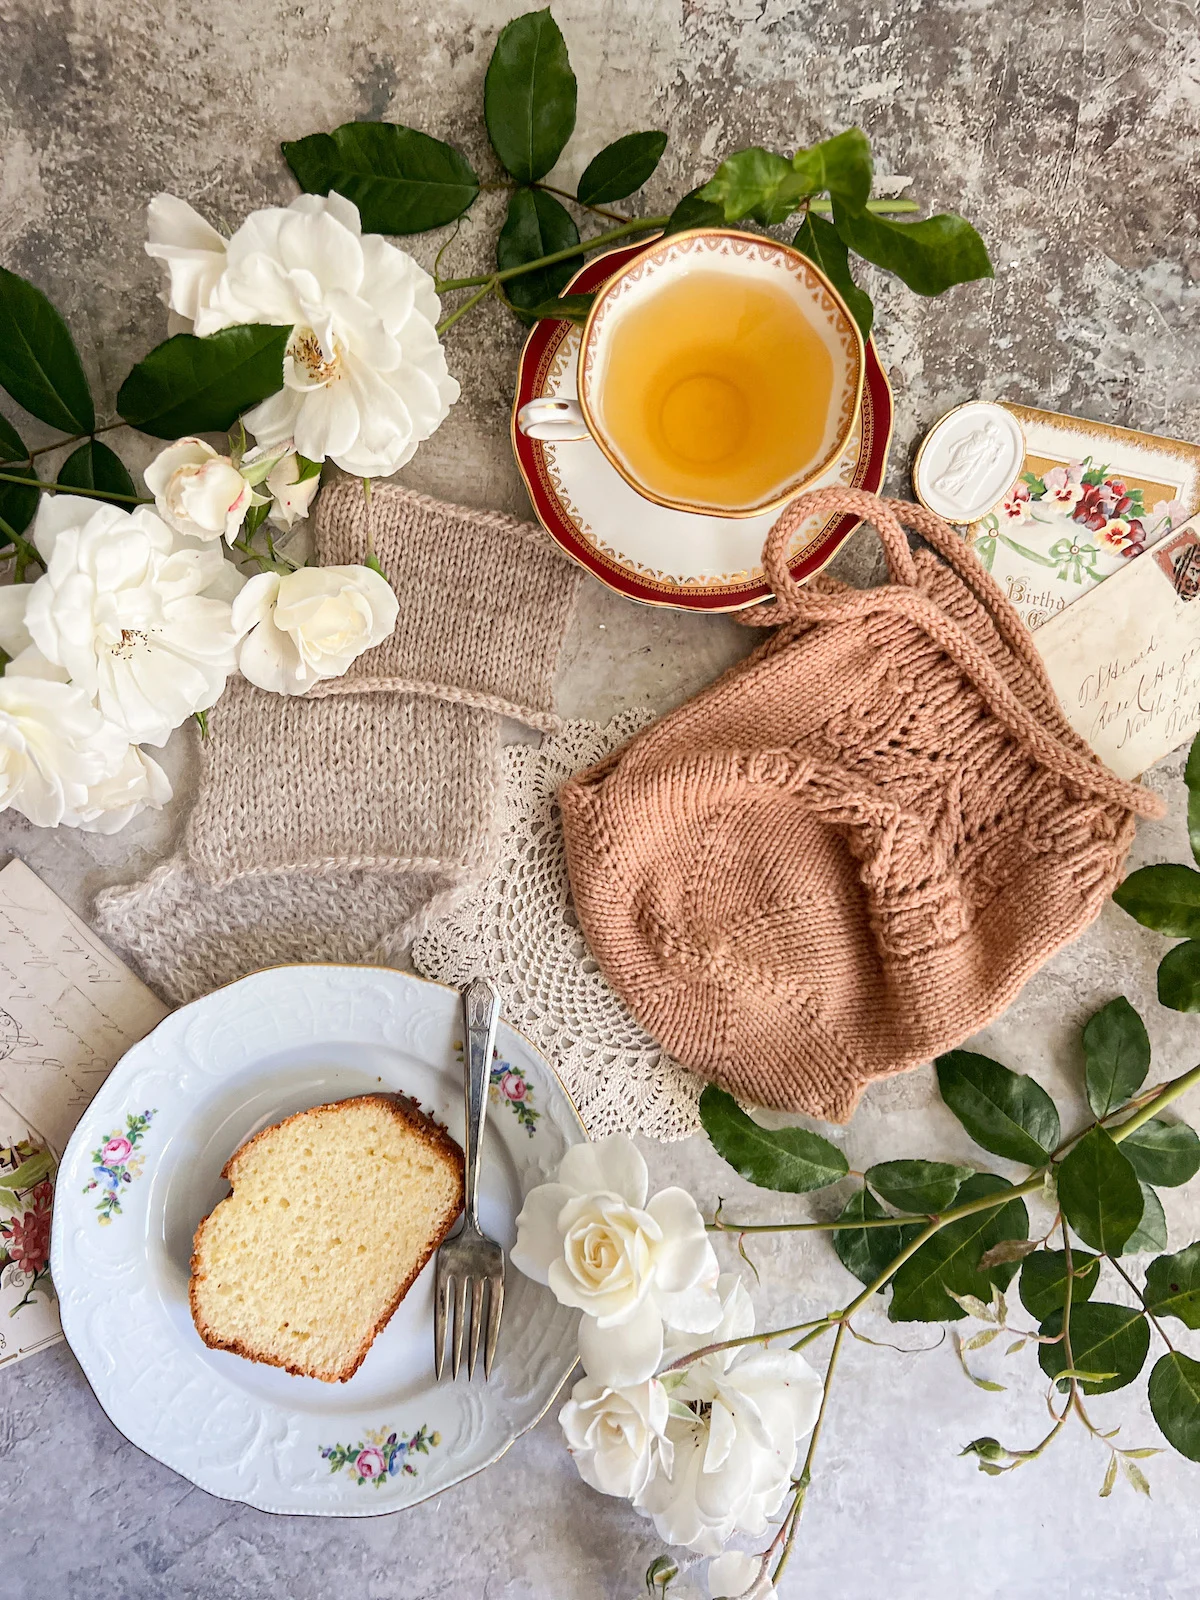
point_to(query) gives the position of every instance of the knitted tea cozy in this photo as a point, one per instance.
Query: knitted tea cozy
(851, 851)
(329, 826)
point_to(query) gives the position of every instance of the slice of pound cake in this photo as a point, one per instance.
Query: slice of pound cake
(333, 1214)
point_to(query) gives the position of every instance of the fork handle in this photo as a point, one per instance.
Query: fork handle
(481, 1008)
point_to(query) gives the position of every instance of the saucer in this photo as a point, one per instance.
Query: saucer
(144, 1166)
(653, 553)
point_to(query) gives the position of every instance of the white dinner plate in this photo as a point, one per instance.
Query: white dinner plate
(144, 1166)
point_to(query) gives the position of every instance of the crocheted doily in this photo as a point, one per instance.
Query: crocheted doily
(519, 928)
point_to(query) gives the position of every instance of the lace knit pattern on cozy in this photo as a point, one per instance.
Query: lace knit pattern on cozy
(330, 826)
(520, 926)
(850, 852)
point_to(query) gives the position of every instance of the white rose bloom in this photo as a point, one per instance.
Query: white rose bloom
(737, 1576)
(198, 492)
(192, 252)
(732, 1466)
(629, 1264)
(139, 784)
(14, 635)
(618, 1437)
(364, 374)
(310, 624)
(54, 744)
(122, 608)
(291, 494)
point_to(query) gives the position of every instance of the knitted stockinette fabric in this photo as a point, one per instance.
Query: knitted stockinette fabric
(330, 826)
(850, 852)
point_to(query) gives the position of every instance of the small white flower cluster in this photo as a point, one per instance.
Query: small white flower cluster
(138, 622)
(706, 1448)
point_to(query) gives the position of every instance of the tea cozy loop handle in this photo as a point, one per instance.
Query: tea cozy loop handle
(796, 604)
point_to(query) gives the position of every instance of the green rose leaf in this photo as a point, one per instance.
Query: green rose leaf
(1163, 1153)
(529, 96)
(789, 1159)
(1173, 1286)
(17, 505)
(1151, 1231)
(1104, 1338)
(536, 225)
(620, 168)
(842, 165)
(189, 385)
(1099, 1193)
(1116, 1048)
(917, 1186)
(1010, 1115)
(1175, 1401)
(1191, 776)
(94, 466)
(692, 212)
(12, 447)
(567, 308)
(950, 1260)
(1179, 977)
(756, 183)
(867, 1251)
(1165, 898)
(39, 364)
(818, 240)
(402, 181)
(1043, 1285)
(931, 256)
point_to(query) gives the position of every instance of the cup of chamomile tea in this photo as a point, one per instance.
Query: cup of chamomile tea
(719, 372)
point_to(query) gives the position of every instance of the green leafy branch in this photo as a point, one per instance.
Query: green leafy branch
(948, 1240)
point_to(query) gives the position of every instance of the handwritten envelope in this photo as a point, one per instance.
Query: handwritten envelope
(68, 1011)
(1124, 659)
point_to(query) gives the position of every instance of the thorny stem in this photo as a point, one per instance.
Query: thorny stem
(1172, 1091)
(480, 294)
(69, 488)
(805, 1477)
(734, 1344)
(75, 438)
(1145, 1306)
(601, 211)
(642, 225)
(719, 1226)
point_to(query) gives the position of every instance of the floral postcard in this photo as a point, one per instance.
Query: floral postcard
(1089, 500)
(68, 1011)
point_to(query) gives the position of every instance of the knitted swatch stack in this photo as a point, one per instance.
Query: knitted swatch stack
(851, 852)
(330, 826)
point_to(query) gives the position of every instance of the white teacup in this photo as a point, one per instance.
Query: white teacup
(719, 372)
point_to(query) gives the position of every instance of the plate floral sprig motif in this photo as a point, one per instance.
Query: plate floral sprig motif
(1081, 499)
(508, 1083)
(27, 1196)
(117, 1161)
(380, 1455)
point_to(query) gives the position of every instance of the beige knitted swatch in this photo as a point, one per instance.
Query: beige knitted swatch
(330, 826)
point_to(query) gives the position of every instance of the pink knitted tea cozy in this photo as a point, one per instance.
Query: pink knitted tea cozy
(850, 852)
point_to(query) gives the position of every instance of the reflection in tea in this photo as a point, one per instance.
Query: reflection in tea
(715, 389)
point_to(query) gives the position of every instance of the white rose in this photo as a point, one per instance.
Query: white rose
(54, 744)
(629, 1264)
(122, 608)
(292, 494)
(198, 492)
(14, 635)
(310, 624)
(364, 374)
(733, 1461)
(192, 252)
(139, 784)
(618, 1437)
(737, 1576)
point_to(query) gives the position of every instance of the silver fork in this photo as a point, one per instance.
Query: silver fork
(471, 1263)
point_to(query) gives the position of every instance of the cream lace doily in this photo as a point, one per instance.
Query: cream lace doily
(519, 928)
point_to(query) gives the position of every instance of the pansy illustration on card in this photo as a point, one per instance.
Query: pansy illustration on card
(1090, 498)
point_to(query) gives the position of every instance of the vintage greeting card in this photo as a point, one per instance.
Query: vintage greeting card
(68, 1011)
(1089, 500)
(1125, 659)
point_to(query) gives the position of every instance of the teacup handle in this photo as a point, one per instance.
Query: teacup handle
(550, 418)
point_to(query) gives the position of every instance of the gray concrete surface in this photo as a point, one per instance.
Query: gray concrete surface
(1069, 131)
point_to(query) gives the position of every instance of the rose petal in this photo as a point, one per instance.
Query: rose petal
(613, 1164)
(539, 1239)
(623, 1355)
(685, 1256)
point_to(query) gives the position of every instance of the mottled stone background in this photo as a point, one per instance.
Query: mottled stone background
(1069, 131)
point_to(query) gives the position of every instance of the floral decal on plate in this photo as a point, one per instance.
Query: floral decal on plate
(1095, 513)
(381, 1455)
(26, 1198)
(118, 1162)
(509, 1086)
